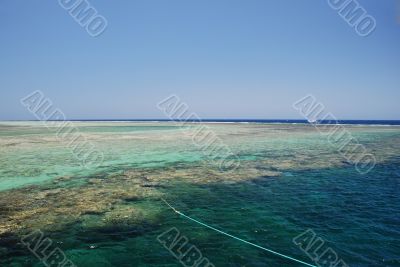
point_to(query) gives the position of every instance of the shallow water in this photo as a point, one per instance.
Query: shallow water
(290, 179)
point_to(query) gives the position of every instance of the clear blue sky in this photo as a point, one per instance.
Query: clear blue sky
(224, 58)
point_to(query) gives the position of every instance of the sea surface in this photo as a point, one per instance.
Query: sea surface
(290, 178)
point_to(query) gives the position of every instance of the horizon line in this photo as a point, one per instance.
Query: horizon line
(206, 119)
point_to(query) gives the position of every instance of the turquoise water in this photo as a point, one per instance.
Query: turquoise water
(290, 179)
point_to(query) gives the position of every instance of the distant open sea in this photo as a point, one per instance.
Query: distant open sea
(355, 122)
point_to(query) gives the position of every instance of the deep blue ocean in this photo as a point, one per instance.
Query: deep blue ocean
(355, 122)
